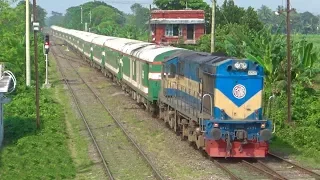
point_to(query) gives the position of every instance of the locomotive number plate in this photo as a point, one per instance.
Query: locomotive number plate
(252, 73)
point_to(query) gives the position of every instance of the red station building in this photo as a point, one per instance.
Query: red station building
(173, 26)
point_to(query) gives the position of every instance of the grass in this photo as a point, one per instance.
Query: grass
(79, 148)
(308, 158)
(57, 150)
(315, 39)
(30, 153)
(122, 158)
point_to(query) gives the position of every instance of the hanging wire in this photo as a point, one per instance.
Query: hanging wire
(13, 79)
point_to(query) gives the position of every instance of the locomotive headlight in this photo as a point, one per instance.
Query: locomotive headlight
(243, 65)
(263, 125)
(237, 65)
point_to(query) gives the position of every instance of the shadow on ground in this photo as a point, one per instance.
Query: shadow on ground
(16, 128)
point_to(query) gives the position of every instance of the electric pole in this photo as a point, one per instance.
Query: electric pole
(36, 61)
(288, 62)
(81, 17)
(27, 44)
(149, 24)
(90, 21)
(213, 25)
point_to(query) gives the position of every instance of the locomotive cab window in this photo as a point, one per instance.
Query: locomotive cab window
(180, 68)
(172, 71)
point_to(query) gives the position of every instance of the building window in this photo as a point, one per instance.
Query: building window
(173, 30)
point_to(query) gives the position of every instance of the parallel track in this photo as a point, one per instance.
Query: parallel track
(76, 101)
(296, 166)
(119, 124)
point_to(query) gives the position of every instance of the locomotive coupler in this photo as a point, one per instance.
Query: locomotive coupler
(242, 144)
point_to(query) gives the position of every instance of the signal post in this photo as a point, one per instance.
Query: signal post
(46, 52)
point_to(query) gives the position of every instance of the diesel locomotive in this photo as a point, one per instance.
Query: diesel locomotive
(211, 100)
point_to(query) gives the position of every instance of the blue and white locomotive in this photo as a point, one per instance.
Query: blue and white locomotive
(216, 102)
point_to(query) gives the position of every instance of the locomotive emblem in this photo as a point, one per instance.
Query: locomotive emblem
(239, 91)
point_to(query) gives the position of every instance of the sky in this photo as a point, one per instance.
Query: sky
(312, 6)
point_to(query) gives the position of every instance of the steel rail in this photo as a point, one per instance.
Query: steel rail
(311, 173)
(232, 176)
(273, 175)
(154, 169)
(84, 118)
(271, 170)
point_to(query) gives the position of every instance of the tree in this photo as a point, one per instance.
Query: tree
(251, 19)
(55, 19)
(42, 13)
(100, 12)
(141, 15)
(265, 14)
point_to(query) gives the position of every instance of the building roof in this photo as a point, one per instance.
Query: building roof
(177, 21)
(178, 11)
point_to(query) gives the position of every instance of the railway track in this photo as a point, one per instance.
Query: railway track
(268, 171)
(61, 54)
(283, 166)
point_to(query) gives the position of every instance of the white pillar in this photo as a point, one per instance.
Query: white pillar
(27, 44)
(46, 70)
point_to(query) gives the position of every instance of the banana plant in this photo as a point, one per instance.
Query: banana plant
(304, 58)
(263, 47)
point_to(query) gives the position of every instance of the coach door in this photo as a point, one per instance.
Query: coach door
(138, 75)
(207, 85)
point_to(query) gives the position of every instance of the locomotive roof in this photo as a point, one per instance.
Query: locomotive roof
(199, 57)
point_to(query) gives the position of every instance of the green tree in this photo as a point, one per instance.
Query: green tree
(55, 19)
(101, 12)
(230, 13)
(140, 16)
(41, 13)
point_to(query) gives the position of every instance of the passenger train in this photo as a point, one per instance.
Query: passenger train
(211, 100)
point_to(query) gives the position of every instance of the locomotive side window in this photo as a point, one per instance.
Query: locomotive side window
(180, 68)
(173, 71)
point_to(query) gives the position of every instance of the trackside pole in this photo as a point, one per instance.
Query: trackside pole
(46, 52)
(46, 83)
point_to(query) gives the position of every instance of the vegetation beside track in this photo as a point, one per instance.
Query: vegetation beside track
(53, 151)
(30, 153)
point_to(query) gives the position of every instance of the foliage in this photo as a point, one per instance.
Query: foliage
(72, 18)
(140, 16)
(180, 4)
(29, 153)
(33, 154)
(222, 32)
(303, 134)
(56, 19)
(305, 23)
(41, 13)
(269, 50)
(12, 44)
